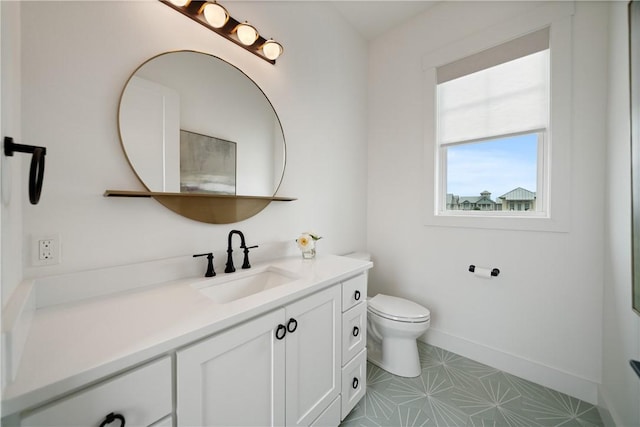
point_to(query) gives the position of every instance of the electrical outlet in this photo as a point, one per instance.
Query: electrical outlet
(46, 250)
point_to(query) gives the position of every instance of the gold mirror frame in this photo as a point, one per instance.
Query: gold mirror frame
(204, 207)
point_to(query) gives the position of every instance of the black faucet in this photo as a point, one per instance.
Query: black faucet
(210, 272)
(229, 267)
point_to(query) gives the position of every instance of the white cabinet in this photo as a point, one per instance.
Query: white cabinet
(313, 356)
(141, 397)
(282, 368)
(285, 358)
(354, 382)
(354, 331)
(330, 417)
(354, 291)
(235, 378)
(354, 338)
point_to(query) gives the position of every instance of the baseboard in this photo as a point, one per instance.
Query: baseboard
(553, 378)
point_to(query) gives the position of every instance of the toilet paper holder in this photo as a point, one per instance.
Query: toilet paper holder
(494, 271)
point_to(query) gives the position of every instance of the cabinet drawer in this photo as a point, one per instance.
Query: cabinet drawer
(354, 331)
(354, 382)
(354, 291)
(142, 397)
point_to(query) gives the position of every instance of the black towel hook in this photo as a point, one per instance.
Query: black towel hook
(36, 171)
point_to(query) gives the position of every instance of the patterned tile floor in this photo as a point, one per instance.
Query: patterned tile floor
(458, 392)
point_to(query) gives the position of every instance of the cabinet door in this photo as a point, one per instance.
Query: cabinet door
(235, 378)
(313, 354)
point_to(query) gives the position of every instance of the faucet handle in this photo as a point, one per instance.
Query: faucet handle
(210, 272)
(245, 263)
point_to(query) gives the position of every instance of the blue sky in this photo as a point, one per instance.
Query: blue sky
(497, 166)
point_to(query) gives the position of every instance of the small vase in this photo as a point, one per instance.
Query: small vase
(309, 253)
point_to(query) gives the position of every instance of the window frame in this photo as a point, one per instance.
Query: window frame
(556, 188)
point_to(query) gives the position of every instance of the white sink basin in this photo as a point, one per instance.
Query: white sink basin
(241, 284)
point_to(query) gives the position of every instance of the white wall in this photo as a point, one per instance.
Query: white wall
(542, 317)
(13, 181)
(620, 389)
(77, 56)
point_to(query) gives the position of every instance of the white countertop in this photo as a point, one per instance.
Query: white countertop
(72, 345)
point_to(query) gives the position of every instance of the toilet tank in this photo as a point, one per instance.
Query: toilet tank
(364, 256)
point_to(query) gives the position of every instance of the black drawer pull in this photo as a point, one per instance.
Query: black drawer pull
(356, 331)
(111, 418)
(281, 328)
(356, 295)
(355, 383)
(292, 325)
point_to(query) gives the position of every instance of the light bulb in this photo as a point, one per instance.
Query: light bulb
(247, 34)
(272, 49)
(180, 3)
(216, 15)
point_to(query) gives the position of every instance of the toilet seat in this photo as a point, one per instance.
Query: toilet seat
(398, 309)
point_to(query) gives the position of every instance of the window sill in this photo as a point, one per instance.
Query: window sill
(508, 221)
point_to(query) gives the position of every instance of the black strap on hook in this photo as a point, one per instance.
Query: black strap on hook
(36, 171)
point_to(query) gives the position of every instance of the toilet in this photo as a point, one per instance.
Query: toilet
(393, 326)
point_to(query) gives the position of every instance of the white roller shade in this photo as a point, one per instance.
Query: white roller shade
(511, 97)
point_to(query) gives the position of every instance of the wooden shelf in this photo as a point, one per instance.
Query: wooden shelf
(209, 208)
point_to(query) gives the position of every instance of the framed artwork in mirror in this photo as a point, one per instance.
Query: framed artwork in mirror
(207, 164)
(634, 72)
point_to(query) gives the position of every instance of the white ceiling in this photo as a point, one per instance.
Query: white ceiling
(373, 18)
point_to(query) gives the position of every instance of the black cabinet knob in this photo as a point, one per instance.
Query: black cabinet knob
(355, 383)
(356, 295)
(356, 331)
(281, 331)
(111, 418)
(292, 325)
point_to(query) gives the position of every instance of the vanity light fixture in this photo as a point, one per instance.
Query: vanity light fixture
(216, 15)
(272, 49)
(180, 3)
(247, 33)
(216, 18)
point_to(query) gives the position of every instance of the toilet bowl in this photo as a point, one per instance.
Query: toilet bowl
(393, 325)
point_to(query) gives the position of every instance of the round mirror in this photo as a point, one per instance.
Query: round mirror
(192, 123)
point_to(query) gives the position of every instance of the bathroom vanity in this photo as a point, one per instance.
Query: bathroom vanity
(279, 344)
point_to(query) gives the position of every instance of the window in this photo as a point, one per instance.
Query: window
(492, 120)
(551, 209)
